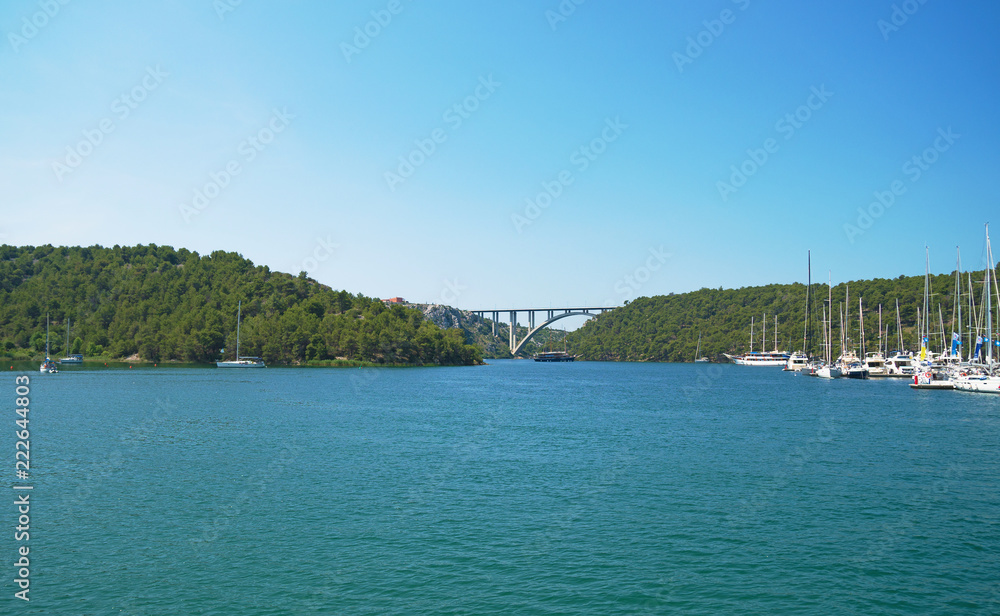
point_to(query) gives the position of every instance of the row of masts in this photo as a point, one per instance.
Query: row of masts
(974, 327)
(763, 337)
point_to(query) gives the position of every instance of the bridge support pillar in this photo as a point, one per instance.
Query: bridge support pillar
(513, 326)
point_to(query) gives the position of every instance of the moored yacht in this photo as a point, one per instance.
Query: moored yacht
(827, 371)
(774, 358)
(977, 382)
(554, 356)
(761, 358)
(875, 364)
(797, 362)
(850, 366)
(900, 365)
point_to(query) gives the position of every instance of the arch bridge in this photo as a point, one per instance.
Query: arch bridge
(551, 316)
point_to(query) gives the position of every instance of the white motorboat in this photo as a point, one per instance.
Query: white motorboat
(797, 362)
(900, 365)
(875, 364)
(829, 372)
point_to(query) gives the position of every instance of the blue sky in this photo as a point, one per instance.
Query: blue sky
(625, 124)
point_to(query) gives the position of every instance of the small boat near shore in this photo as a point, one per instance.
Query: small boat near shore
(698, 359)
(74, 358)
(554, 356)
(48, 366)
(241, 362)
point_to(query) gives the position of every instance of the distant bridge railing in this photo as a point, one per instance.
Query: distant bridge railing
(551, 316)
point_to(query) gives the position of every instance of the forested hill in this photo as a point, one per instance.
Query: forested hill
(666, 328)
(165, 304)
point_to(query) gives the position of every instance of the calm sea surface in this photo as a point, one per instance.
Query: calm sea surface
(512, 488)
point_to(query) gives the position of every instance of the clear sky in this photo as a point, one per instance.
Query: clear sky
(508, 154)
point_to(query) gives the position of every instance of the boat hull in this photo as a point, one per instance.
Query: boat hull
(828, 372)
(240, 364)
(761, 359)
(980, 385)
(554, 356)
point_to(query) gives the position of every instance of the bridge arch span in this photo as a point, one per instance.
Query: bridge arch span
(552, 315)
(531, 334)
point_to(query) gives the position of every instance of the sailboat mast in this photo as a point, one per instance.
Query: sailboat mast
(751, 334)
(957, 327)
(807, 334)
(880, 329)
(46, 336)
(845, 334)
(829, 324)
(899, 328)
(926, 323)
(239, 313)
(920, 342)
(941, 323)
(763, 335)
(775, 333)
(826, 338)
(861, 320)
(989, 307)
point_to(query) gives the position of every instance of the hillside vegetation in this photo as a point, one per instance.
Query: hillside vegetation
(666, 328)
(158, 303)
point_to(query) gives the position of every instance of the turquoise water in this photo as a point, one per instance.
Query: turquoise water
(512, 488)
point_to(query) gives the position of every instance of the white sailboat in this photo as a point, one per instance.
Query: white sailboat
(697, 353)
(983, 378)
(241, 362)
(75, 358)
(48, 366)
(828, 370)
